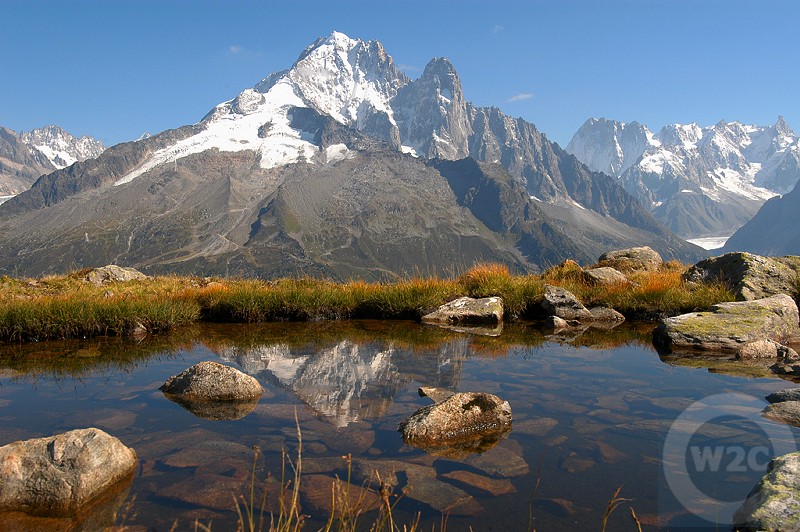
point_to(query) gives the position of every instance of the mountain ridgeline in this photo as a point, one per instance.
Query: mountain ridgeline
(700, 182)
(27, 155)
(342, 167)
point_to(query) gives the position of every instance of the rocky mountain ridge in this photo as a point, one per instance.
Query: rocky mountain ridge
(773, 231)
(700, 182)
(330, 168)
(26, 155)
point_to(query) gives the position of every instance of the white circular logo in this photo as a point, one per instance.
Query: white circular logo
(684, 463)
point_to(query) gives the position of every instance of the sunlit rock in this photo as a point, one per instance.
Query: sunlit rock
(467, 310)
(562, 303)
(774, 503)
(631, 259)
(57, 475)
(113, 273)
(728, 327)
(749, 276)
(213, 391)
(459, 425)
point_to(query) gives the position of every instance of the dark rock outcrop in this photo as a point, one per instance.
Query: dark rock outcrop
(787, 394)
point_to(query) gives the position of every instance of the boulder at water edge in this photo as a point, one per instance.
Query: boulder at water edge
(774, 503)
(467, 310)
(59, 474)
(214, 391)
(749, 276)
(562, 303)
(460, 424)
(728, 327)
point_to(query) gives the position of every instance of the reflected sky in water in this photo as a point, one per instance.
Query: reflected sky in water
(591, 411)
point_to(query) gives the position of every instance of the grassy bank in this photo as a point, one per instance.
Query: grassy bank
(68, 306)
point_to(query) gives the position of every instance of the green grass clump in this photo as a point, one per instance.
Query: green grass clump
(74, 317)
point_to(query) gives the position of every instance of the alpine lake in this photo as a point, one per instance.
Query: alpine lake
(594, 410)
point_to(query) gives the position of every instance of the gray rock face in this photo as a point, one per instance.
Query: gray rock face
(431, 113)
(632, 259)
(749, 276)
(210, 381)
(464, 422)
(562, 303)
(468, 310)
(788, 394)
(728, 327)
(20, 164)
(604, 275)
(606, 315)
(59, 474)
(114, 273)
(774, 503)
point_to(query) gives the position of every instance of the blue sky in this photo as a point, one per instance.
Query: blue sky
(117, 68)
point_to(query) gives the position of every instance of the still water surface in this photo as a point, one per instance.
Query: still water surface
(591, 413)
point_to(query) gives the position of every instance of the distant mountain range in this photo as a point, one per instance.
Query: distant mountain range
(25, 156)
(340, 166)
(700, 182)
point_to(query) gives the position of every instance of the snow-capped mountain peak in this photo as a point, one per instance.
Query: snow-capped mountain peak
(347, 79)
(61, 148)
(350, 80)
(680, 135)
(626, 143)
(701, 181)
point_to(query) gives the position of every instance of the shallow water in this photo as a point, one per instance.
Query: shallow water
(592, 412)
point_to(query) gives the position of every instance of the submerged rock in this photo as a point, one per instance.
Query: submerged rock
(57, 475)
(784, 412)
(436, 394)
(459, 425)
(214, 391)
(728, 327)
(749, 276)
(114, 273)
(766, 349)
(774, 503)
(467, 310)
(632, 259)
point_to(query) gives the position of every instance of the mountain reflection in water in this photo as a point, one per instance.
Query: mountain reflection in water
(591, 409)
